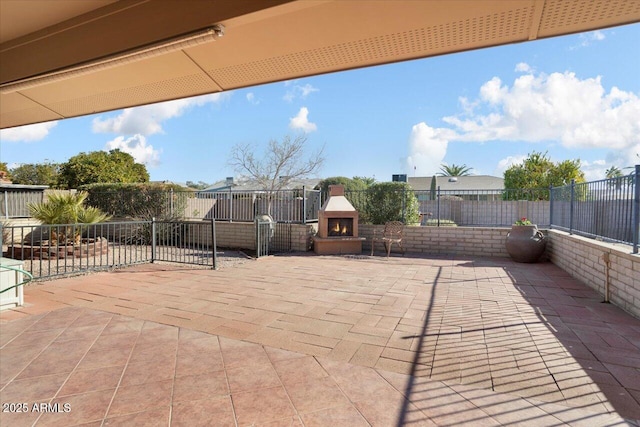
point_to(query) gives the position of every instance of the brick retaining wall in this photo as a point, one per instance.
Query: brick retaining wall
(474, 241)
(582, 258)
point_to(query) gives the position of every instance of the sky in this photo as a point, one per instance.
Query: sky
(572, 97)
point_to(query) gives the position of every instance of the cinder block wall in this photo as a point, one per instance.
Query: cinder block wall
(583, 259)
(236, 235)
(476, 241)
(242, 235)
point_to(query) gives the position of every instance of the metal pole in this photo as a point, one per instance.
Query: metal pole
(551, 206)
(214, 244)
(171, 203)
(636, 211)
(153, 239)
(304, 204)
(404, 204)
(573, 193)
(438, 205)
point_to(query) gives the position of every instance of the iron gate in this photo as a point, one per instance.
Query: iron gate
(272, 237)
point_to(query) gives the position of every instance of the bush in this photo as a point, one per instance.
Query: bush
(391, 201)
(139, 200)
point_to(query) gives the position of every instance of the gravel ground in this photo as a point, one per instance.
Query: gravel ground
(123, 256)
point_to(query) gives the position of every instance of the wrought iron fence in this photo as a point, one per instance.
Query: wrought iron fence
(608, 209)
(297, 206)
(64, 249)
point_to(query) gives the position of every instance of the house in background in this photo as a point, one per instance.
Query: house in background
(242, 199)
(471, 187)
(247, 185)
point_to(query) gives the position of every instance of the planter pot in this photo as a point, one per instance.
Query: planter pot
(525, 243)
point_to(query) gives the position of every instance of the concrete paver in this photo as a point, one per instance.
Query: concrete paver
(313, 340)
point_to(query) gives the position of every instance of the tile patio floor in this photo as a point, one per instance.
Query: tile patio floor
(326, 341)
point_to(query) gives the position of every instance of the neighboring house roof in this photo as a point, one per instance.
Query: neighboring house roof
(23, 187)
(244, 184)
(459, 183)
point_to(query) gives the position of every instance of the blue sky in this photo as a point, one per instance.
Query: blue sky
(575, 97)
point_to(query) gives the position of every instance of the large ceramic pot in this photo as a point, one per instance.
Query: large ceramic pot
(525, 243)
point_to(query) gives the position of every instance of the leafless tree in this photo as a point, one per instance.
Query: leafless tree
(281, 163)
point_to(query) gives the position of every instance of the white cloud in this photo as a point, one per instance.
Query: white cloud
(523, 67)
(252, 99)
(301, 121)
(27, 133)
(507, 162)
(296, 91)
(137, 146)
(559, 107)
(147, 120)
(587, 39)
(427, 148)
(578, 113)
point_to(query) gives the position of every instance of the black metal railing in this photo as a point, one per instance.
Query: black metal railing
(65, 249)
(608, 209)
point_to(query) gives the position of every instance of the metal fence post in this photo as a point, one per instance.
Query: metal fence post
(571, 202)
(214, 244)
(231, 205)
(551, 206)
(153, 239)
(6, 205)
(304, 204)
(438, 205)
(636, 210)
(171, 203)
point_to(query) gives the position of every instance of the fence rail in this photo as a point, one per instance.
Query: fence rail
(489, 208)
(608, 209)
(55, 250)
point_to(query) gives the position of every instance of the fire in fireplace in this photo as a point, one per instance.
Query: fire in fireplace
(340, 227)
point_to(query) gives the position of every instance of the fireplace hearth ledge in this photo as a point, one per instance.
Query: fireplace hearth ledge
(337, 245)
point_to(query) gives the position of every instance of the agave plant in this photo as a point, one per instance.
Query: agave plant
(67, 209)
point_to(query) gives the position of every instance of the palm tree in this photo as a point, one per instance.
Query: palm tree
(454, 170)
(66, 208)
(613, 172)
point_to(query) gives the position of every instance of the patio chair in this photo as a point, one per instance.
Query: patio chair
(393, 232)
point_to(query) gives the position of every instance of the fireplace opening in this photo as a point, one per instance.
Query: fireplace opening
(340, 227)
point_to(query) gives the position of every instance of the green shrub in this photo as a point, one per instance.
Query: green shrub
(139, 200)
(391, 201)
(66, 208)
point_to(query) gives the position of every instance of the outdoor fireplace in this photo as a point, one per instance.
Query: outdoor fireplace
(340, 227)
(337, 226)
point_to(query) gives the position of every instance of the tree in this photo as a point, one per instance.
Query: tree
(278, 166)
(4, 172)
(101, 166)
(200, 185)
(613, 172)
(433, 188)
(349, 184)
(536, 174)
(36, 174)
(454, 170)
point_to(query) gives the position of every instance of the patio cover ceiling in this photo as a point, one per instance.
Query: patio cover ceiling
(265, 41)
